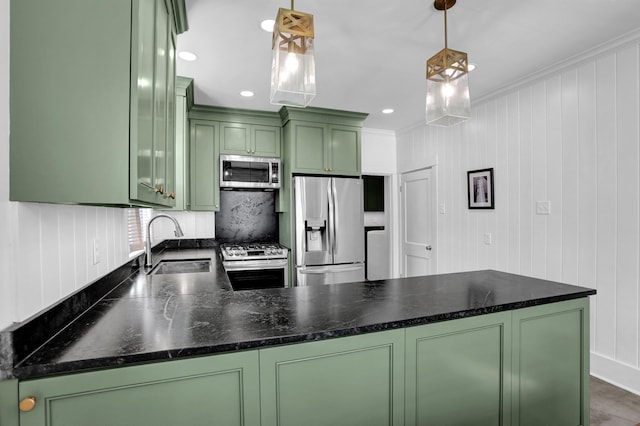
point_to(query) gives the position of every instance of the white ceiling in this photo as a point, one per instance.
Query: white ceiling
(371, 54)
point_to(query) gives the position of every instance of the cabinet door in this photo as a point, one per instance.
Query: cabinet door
(171, 160)
(235, 139)
(204, 182)
(221, 389)
(455, 372)
(142, 184)
(344, 150)
(551, 364)
(309, 148)
(265, 141)
(349, 381)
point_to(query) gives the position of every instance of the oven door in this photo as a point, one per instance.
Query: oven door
(257, 274)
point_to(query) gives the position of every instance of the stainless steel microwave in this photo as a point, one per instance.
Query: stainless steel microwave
(249, 172)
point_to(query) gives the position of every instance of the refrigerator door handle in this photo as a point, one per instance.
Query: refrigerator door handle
(301, 208)
(332, 218)
(318, 271)
(336, 225)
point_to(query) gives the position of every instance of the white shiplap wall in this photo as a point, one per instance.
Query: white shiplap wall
(570, 138)
(7, 289)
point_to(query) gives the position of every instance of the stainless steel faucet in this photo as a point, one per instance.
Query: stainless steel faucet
(147, 247)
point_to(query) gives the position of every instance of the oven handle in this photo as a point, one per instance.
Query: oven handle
(243, 266)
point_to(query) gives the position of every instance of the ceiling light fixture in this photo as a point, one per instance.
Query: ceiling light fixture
(387, 111)
(293, 69)
(267, 25)
(246, 93)
(448, 100)
(187, 56)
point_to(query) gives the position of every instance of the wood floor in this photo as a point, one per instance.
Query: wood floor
(612, 406)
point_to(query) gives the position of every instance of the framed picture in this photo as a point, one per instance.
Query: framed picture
(480, 189)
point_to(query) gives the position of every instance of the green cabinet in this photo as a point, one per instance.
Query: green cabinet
(354, 380)
(322, 141)
(323, 148)
(457, 372)
(221, 389)
(183, 103)
(204, 182)
(551, 364)
(94, 123)
(523, 367)
(248, 139)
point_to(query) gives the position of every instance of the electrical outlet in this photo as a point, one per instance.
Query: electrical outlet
(543, 207)
(96, 252)
(488, 238)
(443, 209)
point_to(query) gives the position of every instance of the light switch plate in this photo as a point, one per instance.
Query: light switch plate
(488, 238)
(443, 209)
(96, 252)
(543, 207)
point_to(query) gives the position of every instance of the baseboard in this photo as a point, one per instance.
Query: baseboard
(622, 375)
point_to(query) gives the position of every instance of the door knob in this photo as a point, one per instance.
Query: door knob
(28, 404)
(428, 248)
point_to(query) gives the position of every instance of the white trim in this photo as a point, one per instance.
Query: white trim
(615, 372)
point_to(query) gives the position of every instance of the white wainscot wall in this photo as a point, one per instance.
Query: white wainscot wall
(570, 138)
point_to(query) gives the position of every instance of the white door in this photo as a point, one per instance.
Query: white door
(417, 215)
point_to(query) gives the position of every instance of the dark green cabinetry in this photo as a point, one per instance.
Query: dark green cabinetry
(94, 122)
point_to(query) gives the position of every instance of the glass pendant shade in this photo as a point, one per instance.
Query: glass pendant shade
(448, 101)
(293, 69)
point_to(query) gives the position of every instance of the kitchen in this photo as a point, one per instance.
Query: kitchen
(599, 250)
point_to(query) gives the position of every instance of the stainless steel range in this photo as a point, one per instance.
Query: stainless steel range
(253, 266)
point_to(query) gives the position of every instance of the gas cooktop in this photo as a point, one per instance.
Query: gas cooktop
(250, 251)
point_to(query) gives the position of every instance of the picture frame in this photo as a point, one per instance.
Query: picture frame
(480, 192)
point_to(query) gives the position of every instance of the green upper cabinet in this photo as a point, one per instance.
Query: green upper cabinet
(204, 182)
(94, 122)
(248, 139)
(244, 132)
(322, 141)
(183, 103)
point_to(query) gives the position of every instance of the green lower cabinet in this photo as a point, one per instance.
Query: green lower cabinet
(551, 364)
(217, 390)
(455, 372)
(354, 381)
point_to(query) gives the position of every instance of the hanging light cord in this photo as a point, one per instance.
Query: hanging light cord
(292, 5)
(445, 24)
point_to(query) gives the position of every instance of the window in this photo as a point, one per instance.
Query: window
(137, 220)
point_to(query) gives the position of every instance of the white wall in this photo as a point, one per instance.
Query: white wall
(571, 138)
(46, 249)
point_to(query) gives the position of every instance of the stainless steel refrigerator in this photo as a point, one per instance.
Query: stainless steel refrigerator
(329, 230)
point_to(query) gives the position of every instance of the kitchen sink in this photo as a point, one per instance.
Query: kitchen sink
(181, 266)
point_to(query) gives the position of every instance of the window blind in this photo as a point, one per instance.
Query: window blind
(137, 220)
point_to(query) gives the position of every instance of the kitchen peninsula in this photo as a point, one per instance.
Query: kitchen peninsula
(486, 346)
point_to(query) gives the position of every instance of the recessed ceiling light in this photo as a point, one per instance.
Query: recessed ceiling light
(267, 25)
(387, 111)
(246, 93)
(187, 56)
(471, 67)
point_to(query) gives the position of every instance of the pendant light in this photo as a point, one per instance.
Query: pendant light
(293, 69)
(448, 100)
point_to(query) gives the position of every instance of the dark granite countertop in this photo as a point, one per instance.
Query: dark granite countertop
(161, 317)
